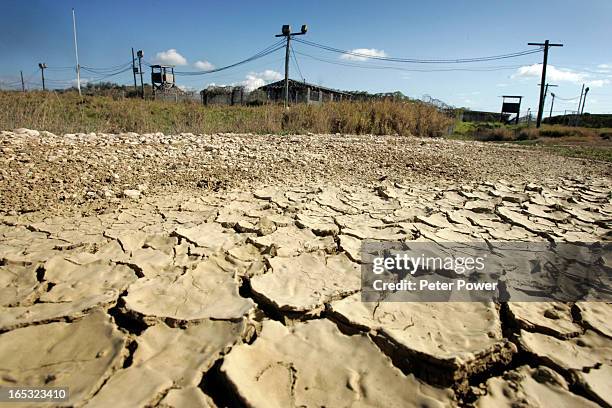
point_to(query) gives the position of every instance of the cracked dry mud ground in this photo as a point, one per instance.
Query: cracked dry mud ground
(194, 270)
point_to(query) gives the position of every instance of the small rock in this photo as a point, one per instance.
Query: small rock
(133, 194)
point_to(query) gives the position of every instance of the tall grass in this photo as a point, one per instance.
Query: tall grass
(497, 132)
(69, 113)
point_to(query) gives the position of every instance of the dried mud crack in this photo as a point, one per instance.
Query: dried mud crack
(119, 262)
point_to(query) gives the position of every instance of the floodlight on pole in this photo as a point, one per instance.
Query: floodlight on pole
(42, 67)
(76, 52)
(552, 103)
(140, 55)
(586, 91)
(286, 32)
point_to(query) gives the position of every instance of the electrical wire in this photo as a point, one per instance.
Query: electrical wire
(235, 74)
(60, 68)
(566, 99)
(383, 67)
(107, 69)
(296, 63)
(104, 71)
(267, 51)
(421, 61)
(98, 79)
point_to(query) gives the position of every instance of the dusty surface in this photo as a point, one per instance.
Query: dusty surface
(224, 270)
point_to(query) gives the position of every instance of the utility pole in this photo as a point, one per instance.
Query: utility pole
(586, 91)
(552, 103)
(546, 46)
(140, 54)
(579, 103)
(286, 32)
(42, 67)
(22, 83)
(134, 70)
(76, 52)
(546, 94)
(528, 117)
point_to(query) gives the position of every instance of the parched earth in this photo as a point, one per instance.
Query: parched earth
(224, 270)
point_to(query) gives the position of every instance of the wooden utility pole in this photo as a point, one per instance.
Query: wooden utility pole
(42, 67)
(546, 46)
(134, 69)
(286, 32)
(22, 83)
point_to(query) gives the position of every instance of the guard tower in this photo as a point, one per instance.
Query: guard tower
(512, 106)
(162, 77)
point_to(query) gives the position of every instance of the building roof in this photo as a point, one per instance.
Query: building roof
(294, 83)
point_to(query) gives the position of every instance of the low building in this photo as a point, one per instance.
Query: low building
(482, 116)
(302, 92)
(223, 95)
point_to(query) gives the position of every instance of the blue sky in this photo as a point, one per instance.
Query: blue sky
(220, 33)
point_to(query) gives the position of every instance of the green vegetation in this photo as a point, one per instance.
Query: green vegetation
(69, 113)
(584, 152)
(579, 142)
(589, 120)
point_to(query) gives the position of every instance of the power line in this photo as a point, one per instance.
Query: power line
(546, 45)
(296, 63)
(237, 74)
(107, 70)
(383, 67)
(266, 51)
(567, 99)
(60, 68)
(418, 60)
(96, 79)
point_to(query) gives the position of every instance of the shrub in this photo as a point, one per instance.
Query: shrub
(527, 134)
(491, 133)
(566, 131)
(69, 113)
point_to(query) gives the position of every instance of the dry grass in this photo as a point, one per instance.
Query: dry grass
(498, 133)
(69, 113)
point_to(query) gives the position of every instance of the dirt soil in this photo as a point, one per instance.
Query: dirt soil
(226, 271)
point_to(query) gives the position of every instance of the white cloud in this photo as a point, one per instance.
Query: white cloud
(84, 82)
(170, 57)
(270, 75)
(254, 80)
(204, 65)
(605, 66)
(365, 53)
(598, 83)
(185, 88)
(554, 74)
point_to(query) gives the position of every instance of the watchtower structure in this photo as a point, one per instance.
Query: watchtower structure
(511, 106)
(162, 77)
